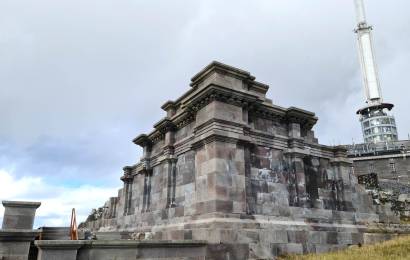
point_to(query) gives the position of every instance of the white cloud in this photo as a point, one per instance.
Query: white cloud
(80, 79)
(12, 188)
(57, 201)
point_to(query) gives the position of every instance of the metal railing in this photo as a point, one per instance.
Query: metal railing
(380, 148)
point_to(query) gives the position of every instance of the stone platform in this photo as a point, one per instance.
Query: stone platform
(227, 166)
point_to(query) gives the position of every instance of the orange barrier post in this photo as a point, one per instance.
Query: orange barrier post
(73, 226)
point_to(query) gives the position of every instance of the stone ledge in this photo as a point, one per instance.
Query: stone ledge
(23, 204)
(144, 244)
(18, 234)
(60, 244)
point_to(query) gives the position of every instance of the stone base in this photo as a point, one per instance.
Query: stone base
(58, 249)
(264, 237)
(121, 250)
(15, 244)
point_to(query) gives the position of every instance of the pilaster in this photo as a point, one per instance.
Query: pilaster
(128, 179)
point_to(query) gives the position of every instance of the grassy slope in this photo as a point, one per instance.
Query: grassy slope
(394, 249)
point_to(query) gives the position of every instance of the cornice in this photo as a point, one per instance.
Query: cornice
(21, 204)
(169, 105)
(184, 119)
(214, 137)
(219, 93)
(218, 121)
(221, 68)
(142, 140)
(303, 117)
(165, 125)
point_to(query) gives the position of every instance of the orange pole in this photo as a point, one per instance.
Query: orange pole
(73, 226)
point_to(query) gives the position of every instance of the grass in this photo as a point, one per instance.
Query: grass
(394, 249)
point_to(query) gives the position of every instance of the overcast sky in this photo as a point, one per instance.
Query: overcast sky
(79, 79)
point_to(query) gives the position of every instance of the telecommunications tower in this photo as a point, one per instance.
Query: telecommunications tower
(377, 124)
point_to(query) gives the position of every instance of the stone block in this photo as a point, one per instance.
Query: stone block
(55, 233)
(247, 236)
(289, 248)
(373, 238)
(187, 234)
(177, 234)
(15, 243)
(296, 236)
(206, 234)
(58, 249)
(179, 212)
(366, 218)
(357, 238)
(317, 237)
(260, 251)
(323, 248)
(228, 251)
(14, 250)
(19, 214)
(344, 238)
(331, 238)
(273, 236)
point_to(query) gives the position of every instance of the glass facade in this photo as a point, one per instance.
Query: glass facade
(378, 126)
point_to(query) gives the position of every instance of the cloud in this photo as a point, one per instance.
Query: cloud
(56, 201)
(70, 67)
(80, 79)
(11, 188)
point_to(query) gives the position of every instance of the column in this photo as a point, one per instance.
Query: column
(17, 230)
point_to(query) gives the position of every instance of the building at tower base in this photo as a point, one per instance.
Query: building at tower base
(384, 170)
(229, 167)
(381, 162)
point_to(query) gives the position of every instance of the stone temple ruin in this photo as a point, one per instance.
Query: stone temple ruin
(228, 167)
(225, 175)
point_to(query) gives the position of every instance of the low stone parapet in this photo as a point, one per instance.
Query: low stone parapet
(120, 249)
(128, 249)
(58, 249)
(15, 243)
(55, 233)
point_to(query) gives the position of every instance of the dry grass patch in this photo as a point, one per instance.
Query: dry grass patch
(394, 249)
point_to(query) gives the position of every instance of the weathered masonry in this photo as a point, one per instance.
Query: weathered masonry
(228, 166)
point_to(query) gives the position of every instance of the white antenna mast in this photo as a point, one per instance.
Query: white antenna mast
(377, 124)
(367, 57)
